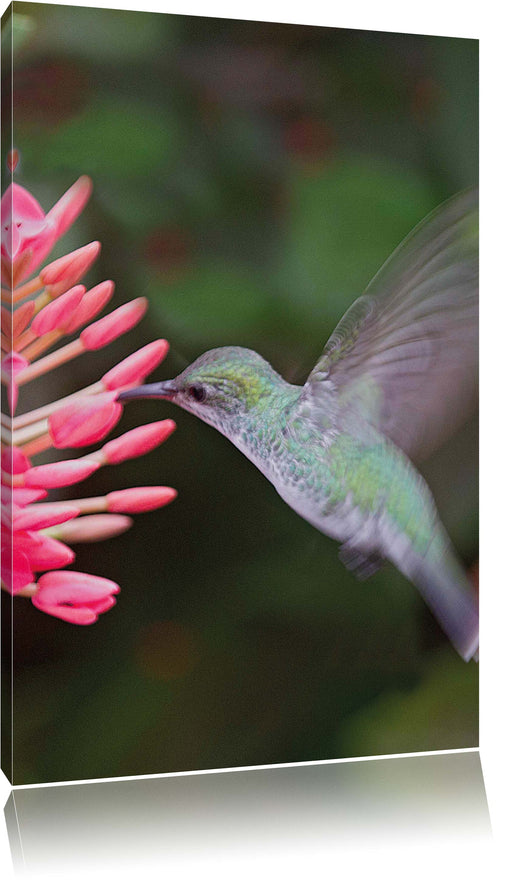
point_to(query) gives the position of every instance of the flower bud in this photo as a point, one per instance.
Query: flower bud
(23, 496)
(74, 597)
(12, 364)
(85, 421)
(20, 496)
(39, 515)
(12, 159)
(105, 330)
(64, 272)
(91, 528)
(56, 314)
(136, 367)
(69, 206)
(59, 474)
(92, 303)
(137, 441)
(16, 570)
(139, 499)
(15, 323)
(14, 461)
(50, 553)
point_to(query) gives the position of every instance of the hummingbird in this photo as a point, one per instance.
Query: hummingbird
(396, 377)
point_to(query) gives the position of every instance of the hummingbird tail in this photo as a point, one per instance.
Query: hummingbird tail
(447, 591)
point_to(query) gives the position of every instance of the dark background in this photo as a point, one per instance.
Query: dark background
(249, 179)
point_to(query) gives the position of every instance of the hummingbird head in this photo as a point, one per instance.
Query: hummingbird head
(221, 387)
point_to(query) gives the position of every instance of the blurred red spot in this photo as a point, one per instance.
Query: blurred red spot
(49, 92)
(168, 249)
(309, 138)
(166, 650)
(426, 99)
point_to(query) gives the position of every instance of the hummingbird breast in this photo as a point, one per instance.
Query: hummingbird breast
(354, 486)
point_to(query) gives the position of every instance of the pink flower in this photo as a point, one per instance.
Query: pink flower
(28, 235)
(53, 305)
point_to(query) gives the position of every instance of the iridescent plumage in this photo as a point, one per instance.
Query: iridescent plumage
(397, 375)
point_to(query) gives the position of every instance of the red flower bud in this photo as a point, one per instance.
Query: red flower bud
(106, 330)
(12, 364)
(85, 421)
(13, 324)
(92, 303)
(49, 552)
(139, 499)
(136, 367)
(75, 597)
(137, 441)
(64, 272)
(23, 496)
(16, 569)
(69, 206)
(59, 474)
(40, 515)
(14, 461)
(56, 314)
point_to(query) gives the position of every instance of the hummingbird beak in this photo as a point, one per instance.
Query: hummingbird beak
(164, 390)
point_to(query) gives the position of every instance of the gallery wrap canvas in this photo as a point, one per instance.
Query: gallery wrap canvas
(172, 185)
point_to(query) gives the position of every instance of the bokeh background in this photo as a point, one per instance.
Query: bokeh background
(249, 179)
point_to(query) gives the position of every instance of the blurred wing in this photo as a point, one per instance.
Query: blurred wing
(407, 350)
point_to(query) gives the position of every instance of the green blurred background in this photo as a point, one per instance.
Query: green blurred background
(249, 179)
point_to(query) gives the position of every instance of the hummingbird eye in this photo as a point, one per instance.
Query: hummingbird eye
(198, 393)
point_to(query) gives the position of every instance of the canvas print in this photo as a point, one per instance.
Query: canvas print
(239, 393)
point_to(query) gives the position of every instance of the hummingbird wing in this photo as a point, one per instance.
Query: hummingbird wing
(406, 352)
